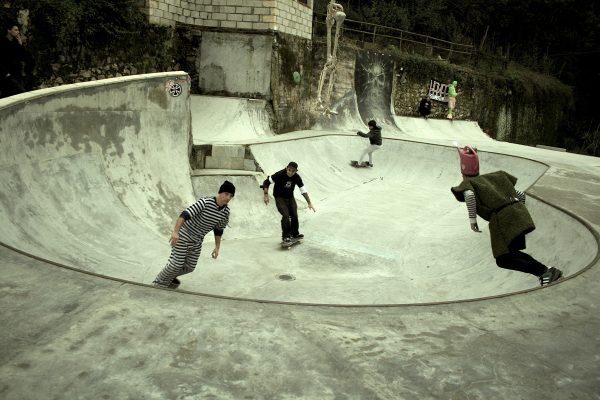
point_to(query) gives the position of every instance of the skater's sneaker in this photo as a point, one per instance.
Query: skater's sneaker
(368, 164)
(174, 284)
(298, 236)
(551, 275)
(286, 239)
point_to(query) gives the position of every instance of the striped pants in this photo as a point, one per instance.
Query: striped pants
(183, 259)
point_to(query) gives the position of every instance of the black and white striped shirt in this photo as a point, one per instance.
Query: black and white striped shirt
(205, 216)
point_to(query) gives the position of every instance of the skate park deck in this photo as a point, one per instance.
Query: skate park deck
(389, 251)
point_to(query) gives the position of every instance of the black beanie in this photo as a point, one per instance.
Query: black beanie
(293, 165)
(227, 187)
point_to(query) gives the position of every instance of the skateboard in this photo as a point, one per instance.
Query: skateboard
(288, 245)
(355, 164)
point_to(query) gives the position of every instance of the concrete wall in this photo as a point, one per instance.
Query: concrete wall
(122, 140)
(235, 64)
(288, 16)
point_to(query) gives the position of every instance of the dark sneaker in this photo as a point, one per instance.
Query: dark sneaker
(174, 284)
(369, 164)
(298, 236)
(286, 239)
(551, 275)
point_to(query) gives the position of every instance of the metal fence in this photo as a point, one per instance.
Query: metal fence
(366, 32)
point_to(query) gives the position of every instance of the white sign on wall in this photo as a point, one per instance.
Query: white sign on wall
(438, 91)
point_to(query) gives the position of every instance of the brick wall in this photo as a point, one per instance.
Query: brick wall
(293, 17)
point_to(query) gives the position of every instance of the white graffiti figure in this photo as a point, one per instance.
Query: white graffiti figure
(335, 15)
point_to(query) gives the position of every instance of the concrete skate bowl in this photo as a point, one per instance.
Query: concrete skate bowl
(94, 176)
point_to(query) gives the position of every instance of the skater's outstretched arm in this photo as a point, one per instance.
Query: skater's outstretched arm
(310, 205)
(472, 209)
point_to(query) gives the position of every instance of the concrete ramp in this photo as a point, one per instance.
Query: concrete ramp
(373, 82)
(346, 117)
(94, 174)
(224, 119)
(441, 129)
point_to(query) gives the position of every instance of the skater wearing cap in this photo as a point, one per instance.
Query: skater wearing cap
(375, 142)
(452, 93)
(285, 181)
(494, 198)
(207, 214)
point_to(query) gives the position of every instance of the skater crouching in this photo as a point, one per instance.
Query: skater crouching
(494, 198)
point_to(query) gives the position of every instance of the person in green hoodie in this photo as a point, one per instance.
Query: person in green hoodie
(452, 93)
(494, 198)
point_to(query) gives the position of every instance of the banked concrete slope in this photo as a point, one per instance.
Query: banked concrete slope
(397, 228)
(222, 119)
(93, 174)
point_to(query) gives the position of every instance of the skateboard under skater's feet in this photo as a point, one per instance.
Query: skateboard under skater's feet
(287, 244)
(356, 164)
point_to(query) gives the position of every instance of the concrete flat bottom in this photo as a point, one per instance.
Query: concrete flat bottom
(380, 237)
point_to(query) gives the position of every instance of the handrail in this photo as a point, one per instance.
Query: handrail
(426, 40)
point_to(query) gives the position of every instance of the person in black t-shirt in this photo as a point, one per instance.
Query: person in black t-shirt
(285, 182)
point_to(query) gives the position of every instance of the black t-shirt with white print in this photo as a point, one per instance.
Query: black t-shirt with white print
(284, 185)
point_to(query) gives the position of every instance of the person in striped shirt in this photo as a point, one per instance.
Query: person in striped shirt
(494, 198)
(207, 214)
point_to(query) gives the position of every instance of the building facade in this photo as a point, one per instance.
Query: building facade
(293, 17)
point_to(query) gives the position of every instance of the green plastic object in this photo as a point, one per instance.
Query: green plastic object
(297, 77)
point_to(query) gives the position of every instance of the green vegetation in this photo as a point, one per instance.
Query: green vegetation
(545, 50)
(81, 34)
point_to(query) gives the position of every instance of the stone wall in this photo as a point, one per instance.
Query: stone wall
(507, 108)
(293, 100)
(288, 16)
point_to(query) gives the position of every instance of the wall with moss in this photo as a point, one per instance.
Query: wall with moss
(78, 41)
(511, 104)
(156, 53)
(292, 98)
